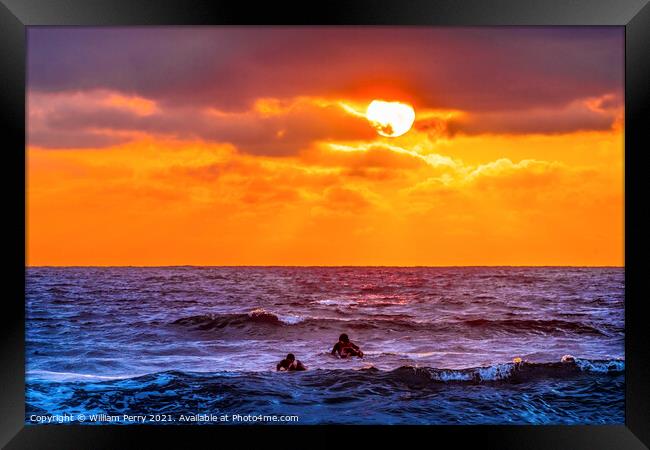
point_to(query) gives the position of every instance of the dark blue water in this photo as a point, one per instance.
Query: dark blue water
(439, 344)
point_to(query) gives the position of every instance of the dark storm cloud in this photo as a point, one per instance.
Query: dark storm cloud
(512, 80)
(471, 69)
(282, 133)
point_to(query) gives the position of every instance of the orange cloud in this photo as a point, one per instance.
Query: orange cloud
(157, 201)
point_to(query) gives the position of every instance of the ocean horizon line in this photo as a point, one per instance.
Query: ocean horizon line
(306, 266)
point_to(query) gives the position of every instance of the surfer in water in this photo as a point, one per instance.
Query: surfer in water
(290, 363)
(345, 348)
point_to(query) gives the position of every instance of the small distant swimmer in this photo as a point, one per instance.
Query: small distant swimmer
(345, 348)
(290, 363)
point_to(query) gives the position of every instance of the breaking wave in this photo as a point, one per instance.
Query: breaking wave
(513, 371)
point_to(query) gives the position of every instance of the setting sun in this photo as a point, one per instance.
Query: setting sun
(390, 119)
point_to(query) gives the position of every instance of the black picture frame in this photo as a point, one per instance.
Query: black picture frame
(16, 15)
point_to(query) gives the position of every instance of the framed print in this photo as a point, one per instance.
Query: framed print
(358, 220)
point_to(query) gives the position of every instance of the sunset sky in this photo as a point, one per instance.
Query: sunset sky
(251, 146)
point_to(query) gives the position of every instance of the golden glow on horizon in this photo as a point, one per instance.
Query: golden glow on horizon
(390, 119)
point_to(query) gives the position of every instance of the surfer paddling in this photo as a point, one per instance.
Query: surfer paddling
(290, 363)
(345, 348)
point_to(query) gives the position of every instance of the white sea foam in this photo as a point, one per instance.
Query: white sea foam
(289, 319)
(491, 373)
(336, 302)
(600, 366)
(72, 376)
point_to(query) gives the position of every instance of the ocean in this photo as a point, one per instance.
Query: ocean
(168, 343)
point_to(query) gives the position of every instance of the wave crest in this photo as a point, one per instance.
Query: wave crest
(502, 372)
(513, 372)
(259, 320)
(211, 322)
